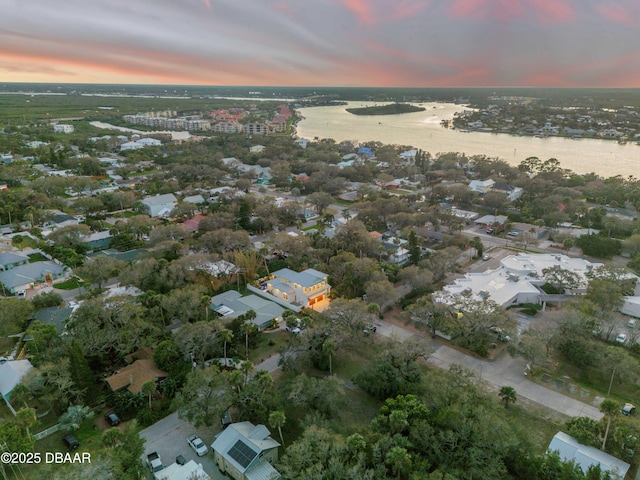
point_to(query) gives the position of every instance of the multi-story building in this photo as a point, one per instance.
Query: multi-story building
(301, 289)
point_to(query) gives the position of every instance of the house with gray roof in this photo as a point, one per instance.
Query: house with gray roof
(159, 205)
(584, 456)
(231, 304)
(56, 316)
(246, 452)
(301, 289)
(9, 260)
(25, 276)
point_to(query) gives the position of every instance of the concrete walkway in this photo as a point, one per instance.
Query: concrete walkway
(505, 371)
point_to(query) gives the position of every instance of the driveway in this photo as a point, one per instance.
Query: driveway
(505, 371)
(168, 437)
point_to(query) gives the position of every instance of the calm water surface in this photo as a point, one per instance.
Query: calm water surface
(423, 130)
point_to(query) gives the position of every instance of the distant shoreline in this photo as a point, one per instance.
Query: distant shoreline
(391, 109)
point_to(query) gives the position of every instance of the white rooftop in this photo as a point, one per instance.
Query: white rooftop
(585, 456)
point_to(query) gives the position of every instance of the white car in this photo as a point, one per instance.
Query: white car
(198, 445)
(622, 338)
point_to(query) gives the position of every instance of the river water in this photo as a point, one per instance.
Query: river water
(422, 130)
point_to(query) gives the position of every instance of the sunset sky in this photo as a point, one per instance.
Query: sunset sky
(404, 43)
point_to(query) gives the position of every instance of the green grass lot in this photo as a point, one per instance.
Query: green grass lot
(264, 350)
(37, 257)
(70, 284)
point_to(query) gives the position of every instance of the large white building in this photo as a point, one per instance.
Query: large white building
(517, 280)
(308, 288)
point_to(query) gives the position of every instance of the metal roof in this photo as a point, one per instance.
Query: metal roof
(584, 456)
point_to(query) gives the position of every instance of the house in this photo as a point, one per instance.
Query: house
(189, 471)
(159, 205)
(245, 452)
(192, 224)
(195, 199)
(301, 289)
(569, 449)
(631, 306)
(6, 158)
(26, 276)
(60, 128)
(491, 220)
(512, 193)
(257, 149)
(11, 373)
(133, 376)
(57, 316)
(301, 142)
(397, 254)
(231, 304)
(98, 240)
(130, 256)
(9, 260)
(481, 186)
(517, 280)
(409, 156)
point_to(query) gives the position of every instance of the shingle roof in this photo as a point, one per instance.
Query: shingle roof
(10, 257)
(134, 375)
(28, 273)
(160, 200)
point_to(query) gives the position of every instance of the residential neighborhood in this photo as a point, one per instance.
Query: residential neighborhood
(251, 304)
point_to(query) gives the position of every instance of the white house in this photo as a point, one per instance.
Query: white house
(257, 149)
(301, 289)
(159, 205)
(301, 142)
(631, 306)
(60, 128)
(481, 186)
(516, 281)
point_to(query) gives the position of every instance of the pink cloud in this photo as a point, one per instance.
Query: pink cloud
(548, 11)
(408, 8)
(207, 4)
(545, 11)
(362, 10)
(617, 13)
(468, 8)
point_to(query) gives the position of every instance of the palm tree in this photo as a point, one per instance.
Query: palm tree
(148, 389)
(507, 395)
(247, 328)
(246, 368)
(328, 348)
(609, 408)
(276, 420)
(226, 335)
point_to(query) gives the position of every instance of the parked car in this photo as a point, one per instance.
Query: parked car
(632, 323)
(628, 409)
(112, 419)
(486, 257)
(180, 460)
(197, 445)
(70, 441)
(622, 338)
(154, 463)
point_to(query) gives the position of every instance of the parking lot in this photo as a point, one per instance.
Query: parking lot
(168, 437)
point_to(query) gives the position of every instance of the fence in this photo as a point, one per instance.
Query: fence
(47, 432)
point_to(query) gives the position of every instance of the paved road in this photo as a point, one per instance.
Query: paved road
(506, 371)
